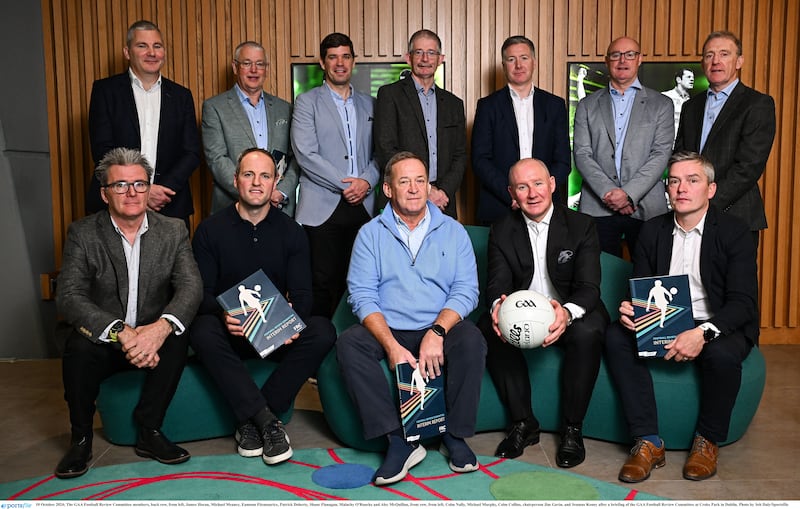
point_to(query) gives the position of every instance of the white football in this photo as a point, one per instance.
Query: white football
(524, 318)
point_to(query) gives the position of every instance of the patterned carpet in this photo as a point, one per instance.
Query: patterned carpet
(317, 474)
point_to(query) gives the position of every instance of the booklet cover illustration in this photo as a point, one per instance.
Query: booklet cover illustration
(422, 403)
(662, 307)
(267, 318)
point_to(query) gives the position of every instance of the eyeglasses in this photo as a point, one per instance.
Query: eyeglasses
(259, 64)
(431, 53)
(629, 55)
(121, 187)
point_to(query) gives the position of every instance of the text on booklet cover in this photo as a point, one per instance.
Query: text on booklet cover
(422, 403)
(268, 320)
(662, 309)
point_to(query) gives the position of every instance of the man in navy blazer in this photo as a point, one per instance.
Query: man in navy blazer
(332, 140)
(567, 270)
(414, 115)
(143, 110)
(517, 122)
(734, 126)
(715, 250)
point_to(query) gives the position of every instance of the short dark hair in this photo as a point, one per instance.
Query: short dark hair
(517, 39)
(122, 156)
(401, 156)
(250, 151)
(428, 34)
(142, 24)
(725, 35)
(688, 155)
(679, 73)
(335, 40)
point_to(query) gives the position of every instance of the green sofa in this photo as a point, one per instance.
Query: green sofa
(676, 384)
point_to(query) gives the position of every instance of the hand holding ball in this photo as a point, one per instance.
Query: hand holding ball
(524, 318)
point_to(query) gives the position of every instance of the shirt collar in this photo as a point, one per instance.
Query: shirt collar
(138, 83)
(400, 223)
(700, 226)
(637, 85)
(142, 229)
(421, 89)
(727, 90)
(335, 95)
(243, 97)
(515, 95)
(545, 220)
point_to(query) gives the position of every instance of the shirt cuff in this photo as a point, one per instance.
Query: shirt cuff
(575, 310)
(178, 326)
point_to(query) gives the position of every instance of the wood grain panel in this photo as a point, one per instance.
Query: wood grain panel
(83, 41)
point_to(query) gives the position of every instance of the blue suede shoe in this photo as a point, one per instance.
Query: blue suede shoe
(400, 458)
(462, 459)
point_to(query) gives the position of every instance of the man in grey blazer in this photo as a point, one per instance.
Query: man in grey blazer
(622, 140)
(245, 117)
(332, 139)
(129, 286)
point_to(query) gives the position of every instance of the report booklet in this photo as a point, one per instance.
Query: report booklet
(422, 403)
(662, 307)
(267, 318)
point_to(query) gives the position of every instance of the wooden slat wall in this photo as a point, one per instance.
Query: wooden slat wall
(83, 41)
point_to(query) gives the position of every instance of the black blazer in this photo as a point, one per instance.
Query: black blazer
(573, 258)
(114, 122)
(495, 146)
(400, 125)
(738, 145)
(727, 267)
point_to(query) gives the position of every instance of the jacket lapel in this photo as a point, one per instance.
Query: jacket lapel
(113, 246)
(728, 110)
(239, 116)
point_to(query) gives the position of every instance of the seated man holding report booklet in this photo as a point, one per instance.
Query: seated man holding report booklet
(229, 246)
(718, 254)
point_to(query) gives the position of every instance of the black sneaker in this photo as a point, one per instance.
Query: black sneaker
(276, 443)
(248, 440)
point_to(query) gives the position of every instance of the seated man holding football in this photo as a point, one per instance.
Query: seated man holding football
(412, 281)
(718, 254)
(548, 248)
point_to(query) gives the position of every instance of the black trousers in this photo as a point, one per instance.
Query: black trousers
(331, 244)
(720, 365)
(583, 347)
(359, 355)
(87, 364)
(222, 355)
(611, 229)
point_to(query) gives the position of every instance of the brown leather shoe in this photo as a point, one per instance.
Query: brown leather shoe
(643, 458)
(702, 461)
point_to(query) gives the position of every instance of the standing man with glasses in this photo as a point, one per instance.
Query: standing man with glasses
(244, 117)
(129, 286)
(332, 139)
(417, 116)
(734, 127)
(141, 109)
(622, 140)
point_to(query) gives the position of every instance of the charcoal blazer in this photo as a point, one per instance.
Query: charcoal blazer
(573, 258)
(727, 267)
(93, 282)
(495, 146)
(647, 147)
(738, 146)
(400, 125)
(114, 122)
(227, 133)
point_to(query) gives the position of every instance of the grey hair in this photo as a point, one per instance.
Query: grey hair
(121, 156)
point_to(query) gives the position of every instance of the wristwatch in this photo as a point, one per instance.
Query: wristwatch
(709, 334)
(116, 328)
(439, 330)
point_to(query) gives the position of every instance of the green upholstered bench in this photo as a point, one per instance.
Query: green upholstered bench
(198, 410)
(676, 385)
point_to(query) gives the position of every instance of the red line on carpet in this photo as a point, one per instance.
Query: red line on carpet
(418, 482)
(32, 487)
(631, 495)
(335, 456)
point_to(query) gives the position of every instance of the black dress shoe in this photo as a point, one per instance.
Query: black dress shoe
(571, 451)
(522, 434)
(153, 444)
(74, 463)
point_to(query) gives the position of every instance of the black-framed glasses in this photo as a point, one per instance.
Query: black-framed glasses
(121, 187)
(629, 55)
(432, 53)
(259, 64)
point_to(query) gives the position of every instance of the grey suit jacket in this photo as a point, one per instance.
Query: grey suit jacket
(647, 148)
(93, 282)
(319, 142)
(227, 133)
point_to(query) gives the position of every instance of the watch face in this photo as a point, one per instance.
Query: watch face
(438, 329)
(709, 334)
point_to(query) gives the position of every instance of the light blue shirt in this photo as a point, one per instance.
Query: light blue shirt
(428, 103)
(413, 238)
(347, 114)
(621, 106)
(714, 104)
(257, 115)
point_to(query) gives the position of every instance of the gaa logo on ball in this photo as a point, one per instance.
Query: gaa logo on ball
(524, 318)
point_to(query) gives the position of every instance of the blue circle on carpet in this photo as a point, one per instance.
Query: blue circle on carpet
(343, 476)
